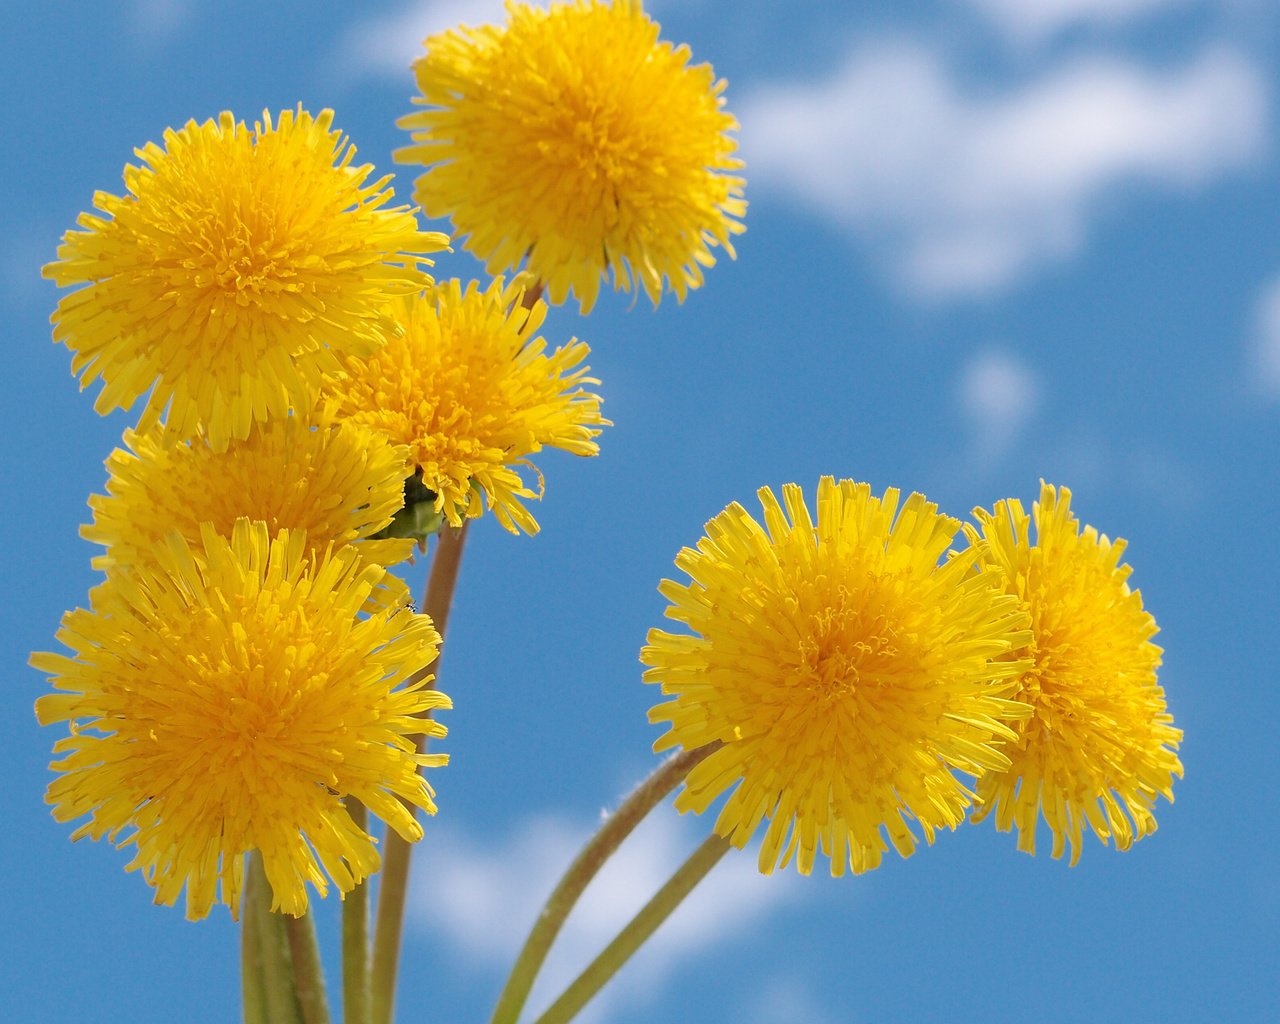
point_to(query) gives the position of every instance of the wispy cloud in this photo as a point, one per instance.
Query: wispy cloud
(483, 896)
(386, 44)
(784, 1000)
(25, 253)
(1264, 373)
(157, 22)
(997, 395)
(965, 192)
(1033, 22)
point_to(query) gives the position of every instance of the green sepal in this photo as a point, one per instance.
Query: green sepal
(417, 518)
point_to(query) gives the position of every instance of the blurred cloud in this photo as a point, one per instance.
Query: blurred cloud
(1034, 21)
(1265, 372)
(997, 395)
(784, 1000)
(156, 22)
(1158, 474)
(1151, 475)
(385, 44)
(26, 251)
(967, 192)
(483, 896)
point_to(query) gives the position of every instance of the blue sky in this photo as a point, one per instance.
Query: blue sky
(988, 242)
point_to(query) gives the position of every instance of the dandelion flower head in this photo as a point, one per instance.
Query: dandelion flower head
(233, 702)
(340, 483)
(235, 267)
(472, 391)
(1100, 745)
(844, 671)
(573, 136)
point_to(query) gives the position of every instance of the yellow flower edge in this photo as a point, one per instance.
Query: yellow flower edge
(339, 482)
(232, 702)
(573, 137)
(471, 389)
(235, 268)
(1100, 745)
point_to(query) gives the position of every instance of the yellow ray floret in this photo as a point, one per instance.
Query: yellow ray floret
(234, 702)
(1100, 745)
(574, 137)
(341, 483)
(472, 391)
(844, 671)
(234, 269)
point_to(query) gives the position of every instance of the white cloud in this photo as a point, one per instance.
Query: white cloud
(968, 192)
(997, 395)
(1030, 21)
(1265, 371)
(386, 44)
(484, 896)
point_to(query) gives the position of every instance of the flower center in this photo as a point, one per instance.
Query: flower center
(592, 143)
(246, 269)
(848, 646)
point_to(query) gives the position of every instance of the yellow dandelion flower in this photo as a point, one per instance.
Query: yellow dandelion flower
(340, 483)
(234, 270)
(574, 137)
(1099, 746)
(844, 671)
(473, 392)
(233, 701)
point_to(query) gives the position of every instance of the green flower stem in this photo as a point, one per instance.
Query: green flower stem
(275, 967)
(599, 848)
(638, 929)
(355, 938)
(307, 973)
(394, 885)
(253, 986)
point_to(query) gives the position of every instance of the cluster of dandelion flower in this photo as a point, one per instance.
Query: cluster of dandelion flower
(846, 671)
(249, 667)
(251, 676)
(841, 676)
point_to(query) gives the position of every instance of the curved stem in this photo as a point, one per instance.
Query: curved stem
(394, 885)
(651, 792)
(355, 938)
(638, 929)
(275, 963)
(307, 973)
